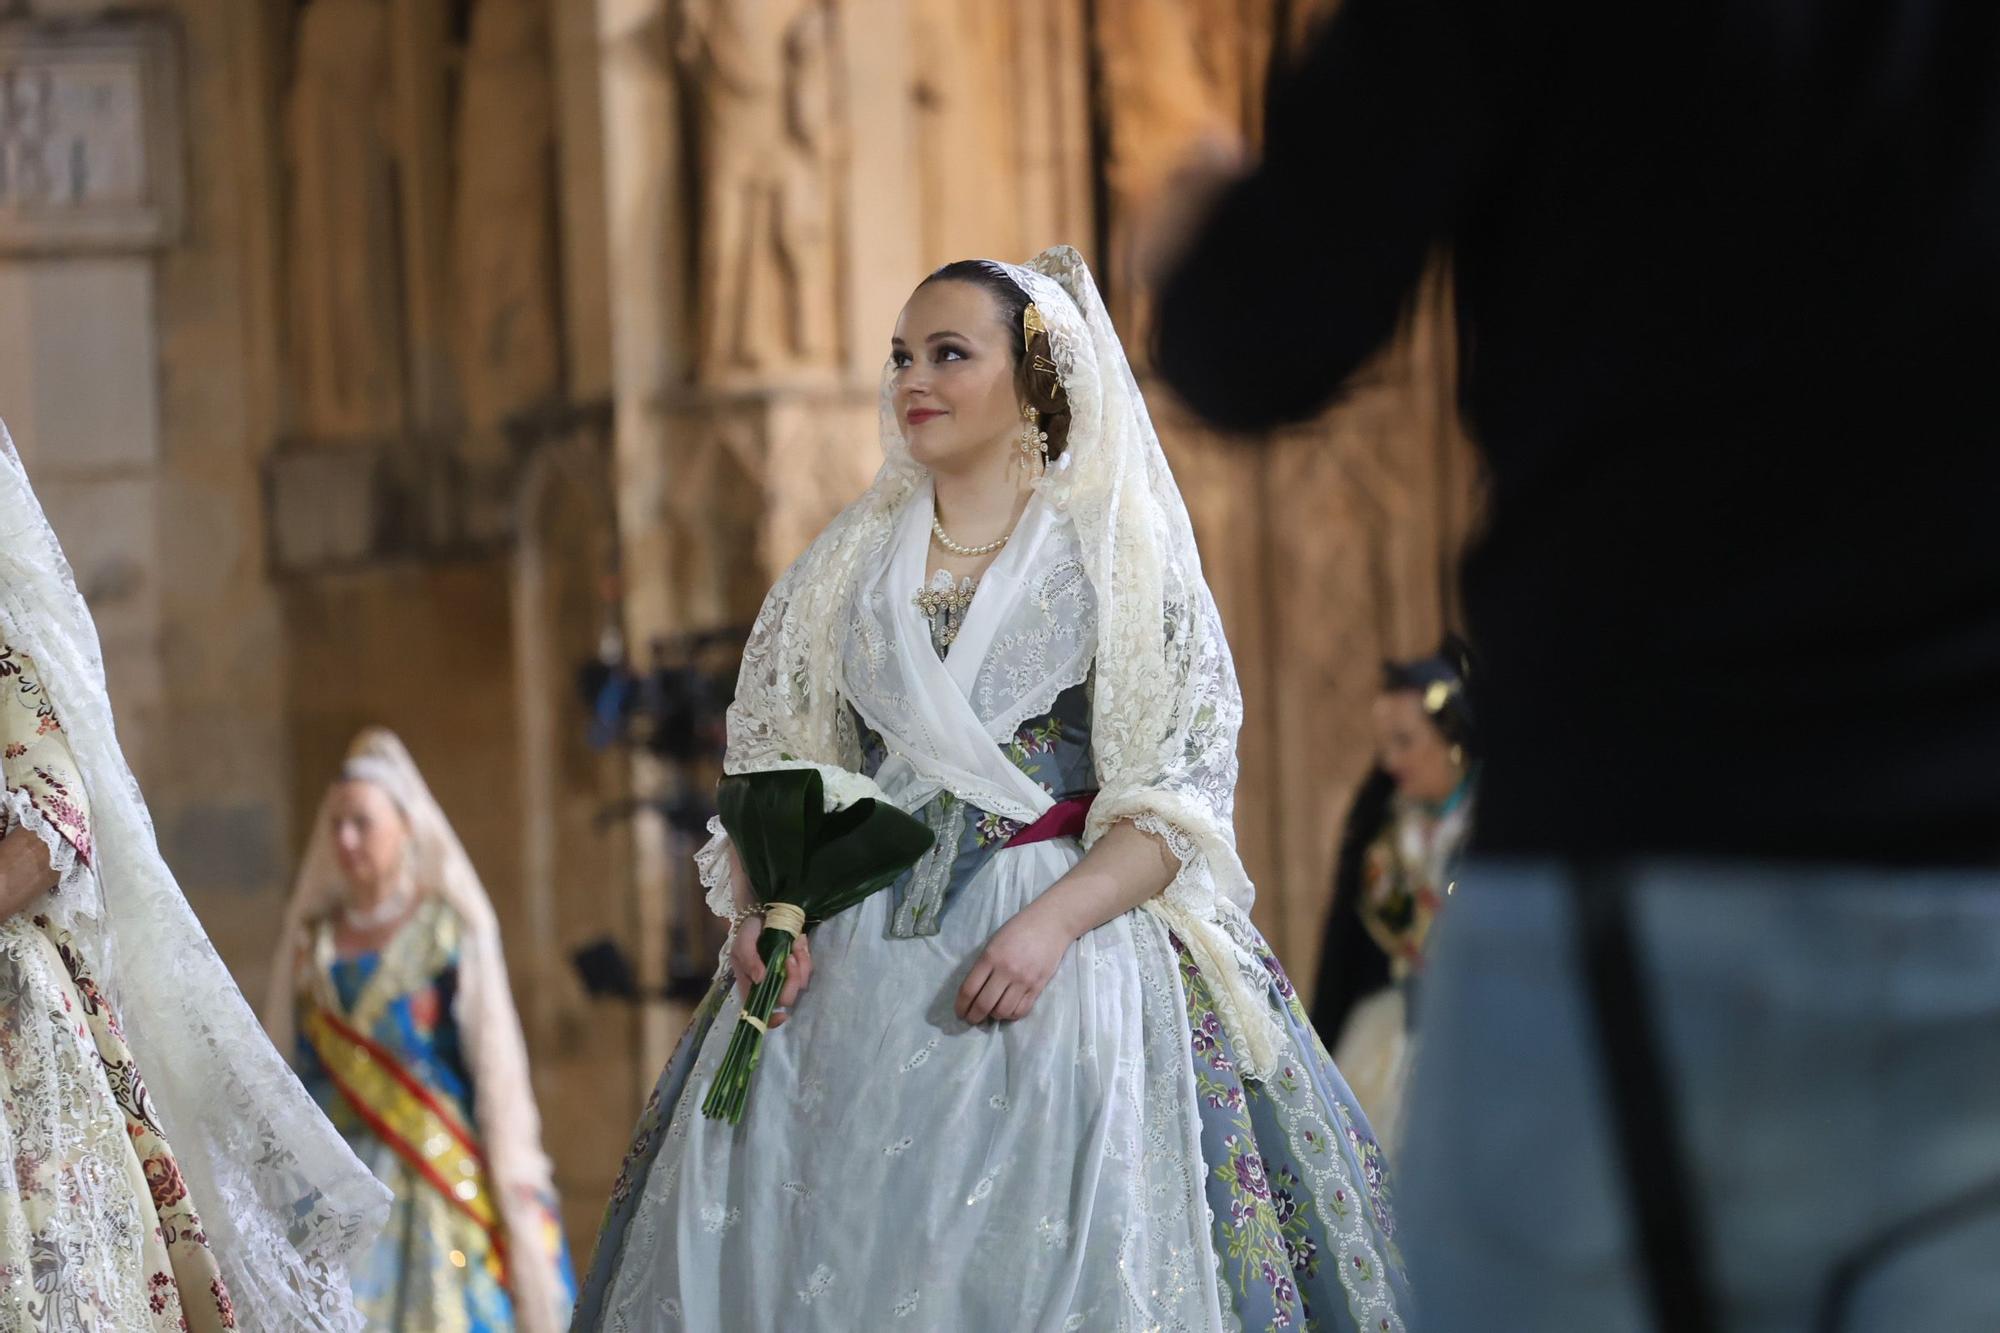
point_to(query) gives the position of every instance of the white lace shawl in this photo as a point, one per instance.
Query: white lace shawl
(1166, 706)
(286, 1206)
(508, 1122)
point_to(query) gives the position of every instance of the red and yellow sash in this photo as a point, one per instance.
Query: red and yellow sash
(403, 1113)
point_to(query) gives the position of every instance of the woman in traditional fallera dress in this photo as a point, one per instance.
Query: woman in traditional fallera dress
(164, 1171)
(391, 991)
(1398, 864)
(1053, 1078)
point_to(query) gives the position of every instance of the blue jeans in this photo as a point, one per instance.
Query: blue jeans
(1832, 1039)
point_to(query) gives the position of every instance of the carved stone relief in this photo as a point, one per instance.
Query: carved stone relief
(758, 74)
(89, 138)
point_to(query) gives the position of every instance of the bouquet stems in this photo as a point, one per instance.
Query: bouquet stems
(726, 1096)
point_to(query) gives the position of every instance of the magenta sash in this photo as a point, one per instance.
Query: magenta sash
(1064, 819)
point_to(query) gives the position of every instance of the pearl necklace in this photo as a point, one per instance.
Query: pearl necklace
(944, 540)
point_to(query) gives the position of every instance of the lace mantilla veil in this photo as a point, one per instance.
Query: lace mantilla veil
(285, 1204)
(1166, 708)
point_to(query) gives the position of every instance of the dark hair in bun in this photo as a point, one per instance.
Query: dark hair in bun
(1441, 681)
(1035, 379)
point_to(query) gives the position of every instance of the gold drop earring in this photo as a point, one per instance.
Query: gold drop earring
(1034, 459)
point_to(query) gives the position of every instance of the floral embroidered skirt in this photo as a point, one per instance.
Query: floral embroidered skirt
(96, 1227)
(1099, 1164)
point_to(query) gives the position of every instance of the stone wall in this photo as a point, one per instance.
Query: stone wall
(281, 422)
(129, 368)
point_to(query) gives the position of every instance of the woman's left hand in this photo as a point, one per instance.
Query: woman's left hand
(1013, 969)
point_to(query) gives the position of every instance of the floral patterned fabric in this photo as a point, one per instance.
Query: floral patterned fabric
(97, 1230)
(1293, 1180)
(1410, 869)
(39, 767)
(1263, 1143)
(434, 1269)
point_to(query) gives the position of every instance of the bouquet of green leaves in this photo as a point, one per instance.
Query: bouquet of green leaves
(805, 863)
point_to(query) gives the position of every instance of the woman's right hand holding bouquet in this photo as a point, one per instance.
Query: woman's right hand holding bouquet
(748, 966)
(746, 963)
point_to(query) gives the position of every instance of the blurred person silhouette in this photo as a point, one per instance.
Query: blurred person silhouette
(1712, 1037)
(1397, 863)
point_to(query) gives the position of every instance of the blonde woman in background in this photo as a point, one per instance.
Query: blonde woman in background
(390, 991)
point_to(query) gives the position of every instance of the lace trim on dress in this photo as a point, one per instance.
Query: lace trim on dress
(715, 867)
(1171, 1239)
(718, 876)
(1004, 727)
(1050, 646)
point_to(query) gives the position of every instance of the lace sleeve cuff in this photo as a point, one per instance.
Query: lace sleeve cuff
(840, 788)
(1186, 888)
(74, 885)
(718, 877)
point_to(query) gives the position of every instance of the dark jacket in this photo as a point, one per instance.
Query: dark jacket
(1728, 294)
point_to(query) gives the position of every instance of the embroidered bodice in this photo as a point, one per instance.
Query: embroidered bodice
(1411, 869)
(1053, 749)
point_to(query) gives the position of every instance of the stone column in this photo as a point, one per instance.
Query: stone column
(584, 223)
(503, 224)
(345, 244)
(649, 359)
(1002, 125)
